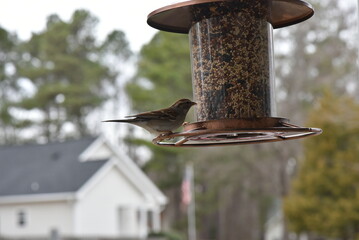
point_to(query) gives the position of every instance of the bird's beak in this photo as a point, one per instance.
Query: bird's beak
(194, 103)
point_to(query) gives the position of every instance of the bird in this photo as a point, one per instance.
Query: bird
(163, 121)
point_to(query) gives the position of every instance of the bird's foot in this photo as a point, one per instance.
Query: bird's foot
(185, 123)
(161, 136)
(165, 134)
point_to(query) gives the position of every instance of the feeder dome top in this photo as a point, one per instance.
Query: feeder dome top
(179, 17)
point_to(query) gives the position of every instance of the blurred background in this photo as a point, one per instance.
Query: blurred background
(67, 65)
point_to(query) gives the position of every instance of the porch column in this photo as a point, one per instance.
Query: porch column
(156, 220)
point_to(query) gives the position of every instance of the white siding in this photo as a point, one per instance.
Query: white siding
(40, 219)
(97, 213)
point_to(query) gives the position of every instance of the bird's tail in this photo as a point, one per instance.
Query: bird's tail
(121, 120)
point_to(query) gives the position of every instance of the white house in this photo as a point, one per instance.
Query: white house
(80, 188)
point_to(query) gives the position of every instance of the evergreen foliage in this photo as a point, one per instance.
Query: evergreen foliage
(66, 65)
(164, 72)
(324, 200)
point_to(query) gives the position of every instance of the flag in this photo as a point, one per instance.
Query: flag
(186, 186)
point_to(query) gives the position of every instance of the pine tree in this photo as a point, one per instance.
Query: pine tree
(325, 196)
(66, 65)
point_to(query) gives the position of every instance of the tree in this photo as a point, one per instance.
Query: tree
(164, 72)
(324, 200)
(10, 89)
(65, 64)
(311, 56)
(317, 53)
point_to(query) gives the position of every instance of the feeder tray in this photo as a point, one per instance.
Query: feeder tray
(235, 131)
(179, 17)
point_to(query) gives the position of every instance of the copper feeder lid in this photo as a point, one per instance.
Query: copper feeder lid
(178, 17)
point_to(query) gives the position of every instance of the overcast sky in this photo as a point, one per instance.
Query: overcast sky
(27, 16)
(24, 16)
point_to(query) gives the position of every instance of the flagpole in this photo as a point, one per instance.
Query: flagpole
(191, 209)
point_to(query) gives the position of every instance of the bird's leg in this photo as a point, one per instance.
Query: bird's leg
(161, 136)
(184, 124)
(165, 134)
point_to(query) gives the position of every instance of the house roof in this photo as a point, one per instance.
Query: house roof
(127, 167)
(48, 168)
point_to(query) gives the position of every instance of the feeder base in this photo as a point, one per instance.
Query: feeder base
(235, 131)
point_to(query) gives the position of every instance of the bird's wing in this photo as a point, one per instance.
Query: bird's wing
(163, 114)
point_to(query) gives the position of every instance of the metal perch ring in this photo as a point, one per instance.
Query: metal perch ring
(235, 131)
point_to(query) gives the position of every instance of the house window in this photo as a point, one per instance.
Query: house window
(21, 218)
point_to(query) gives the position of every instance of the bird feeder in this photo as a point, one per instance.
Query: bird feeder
(232, 69)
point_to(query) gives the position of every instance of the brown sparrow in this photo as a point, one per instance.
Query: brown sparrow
(162, 121)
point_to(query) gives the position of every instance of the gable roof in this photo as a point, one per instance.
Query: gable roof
(100, 148)
(48, 168)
